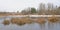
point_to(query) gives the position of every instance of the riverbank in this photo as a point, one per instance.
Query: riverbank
(30, 15)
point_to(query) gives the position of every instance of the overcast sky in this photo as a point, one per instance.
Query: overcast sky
(14, 5)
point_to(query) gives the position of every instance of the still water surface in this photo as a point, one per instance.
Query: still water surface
(33, 26)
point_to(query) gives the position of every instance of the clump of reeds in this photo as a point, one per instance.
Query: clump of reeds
(17, 21)
(27, 20)
(41, 21)
(53, 19)
(6, 22)
(14, 20)
(21, 21)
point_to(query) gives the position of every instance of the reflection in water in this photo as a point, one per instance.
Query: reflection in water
(34, 26)
(42, 26)
(50, 26)
(53, 26)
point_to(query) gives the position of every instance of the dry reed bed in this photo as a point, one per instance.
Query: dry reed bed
(41, 20)
(26, 20)
(21, 21)
(53, 19)
(6, 22)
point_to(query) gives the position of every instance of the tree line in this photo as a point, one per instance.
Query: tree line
(43, 9)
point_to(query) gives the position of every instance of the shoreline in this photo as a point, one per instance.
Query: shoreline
(30, 15)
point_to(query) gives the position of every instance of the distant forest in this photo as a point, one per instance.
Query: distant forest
(43, 9)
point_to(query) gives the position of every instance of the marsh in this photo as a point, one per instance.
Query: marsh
(33, 26)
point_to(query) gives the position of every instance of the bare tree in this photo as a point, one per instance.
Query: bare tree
(50, 6)
(58, 11)
(26, 11)
(41, 9)
(29, 11)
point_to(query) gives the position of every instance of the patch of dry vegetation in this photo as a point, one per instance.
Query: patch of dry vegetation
(53, 19)
(41, 21)
(14, 20)
(28, 20)
(21, 21)
(17, 21)
(6, 22)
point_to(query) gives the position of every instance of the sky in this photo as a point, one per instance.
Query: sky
(18, 5)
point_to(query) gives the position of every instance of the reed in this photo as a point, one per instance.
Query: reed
(6, 22)
(14, 20)
(21, 21)
(41, 21)
(53, 19)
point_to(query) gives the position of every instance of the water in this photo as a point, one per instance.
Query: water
(33, 26)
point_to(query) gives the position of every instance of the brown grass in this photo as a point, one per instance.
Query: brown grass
(21, 21)
(41, 20)
(6, 22)
(14, 20)
(27, 20)
(53, 19)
